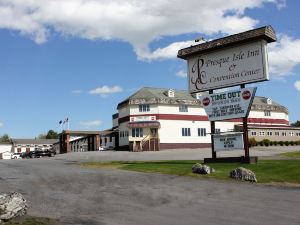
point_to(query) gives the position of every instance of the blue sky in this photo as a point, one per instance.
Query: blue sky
(80, 58)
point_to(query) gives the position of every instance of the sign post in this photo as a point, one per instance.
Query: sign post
(234, 60)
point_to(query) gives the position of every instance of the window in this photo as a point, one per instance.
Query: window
(297, 134)
(267, 113)
(202, 132)
(144, 108)
(261, 133)
(183, 108)
(283, 133)
(269, 133)
(186, 131)
(217, 130)
(276, 133)
(137, 132)
(253, 133)
(292, 134)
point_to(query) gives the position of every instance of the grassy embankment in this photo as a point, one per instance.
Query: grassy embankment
(267, 171)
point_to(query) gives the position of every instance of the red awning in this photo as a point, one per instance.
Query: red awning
(144, 124)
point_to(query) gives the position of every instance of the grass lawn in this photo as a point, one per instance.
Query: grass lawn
(291, 154)
(31, 220)
(266, 171)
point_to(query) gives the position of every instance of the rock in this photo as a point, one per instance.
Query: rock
(12, 205)
(202, 169)
(244, 174)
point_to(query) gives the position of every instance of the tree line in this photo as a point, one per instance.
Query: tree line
(51, 134)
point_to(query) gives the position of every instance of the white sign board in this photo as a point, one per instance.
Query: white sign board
(230, 67)
(229, 104)
(142, 118)
(228, 142)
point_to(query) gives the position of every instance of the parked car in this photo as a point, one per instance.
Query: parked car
(39, 152)
(16, 155)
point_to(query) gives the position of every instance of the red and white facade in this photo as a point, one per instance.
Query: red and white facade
(155, 119)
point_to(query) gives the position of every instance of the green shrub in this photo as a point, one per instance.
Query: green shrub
(275, 143)
(292, 143)
(266, 142)
(280, 143)
(286, 143)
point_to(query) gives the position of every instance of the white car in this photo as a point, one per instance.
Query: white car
(16, 155)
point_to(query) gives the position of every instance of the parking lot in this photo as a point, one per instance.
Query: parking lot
(58, 187)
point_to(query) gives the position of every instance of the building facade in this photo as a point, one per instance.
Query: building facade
(155, 119)
(27, 145)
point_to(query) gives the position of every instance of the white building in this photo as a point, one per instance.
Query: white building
(155, 119)
(27, 145)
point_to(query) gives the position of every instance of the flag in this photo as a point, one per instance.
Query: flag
(60, 122)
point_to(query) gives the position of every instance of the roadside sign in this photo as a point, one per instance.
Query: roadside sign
(229, 104)
(228, 142)
(229, 67)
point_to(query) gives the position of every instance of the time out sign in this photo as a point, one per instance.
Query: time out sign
(229, 104)
(233, 66)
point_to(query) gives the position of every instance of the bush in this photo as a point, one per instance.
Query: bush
(292, 143)
(286, 143)
(266, 142)
(280, 143)
(275, 143)
(252, 142)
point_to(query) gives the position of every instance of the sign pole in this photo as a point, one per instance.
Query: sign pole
(245, 133)
(246, 140)
(212, 132)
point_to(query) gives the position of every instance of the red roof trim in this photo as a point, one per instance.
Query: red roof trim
(205, 118)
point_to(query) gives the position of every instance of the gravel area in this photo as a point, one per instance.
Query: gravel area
(59, 188)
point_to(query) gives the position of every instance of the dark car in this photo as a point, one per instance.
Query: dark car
(38, 152)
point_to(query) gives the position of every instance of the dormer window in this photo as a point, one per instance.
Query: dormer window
(269, 101)
(198, 95)
(171, 93)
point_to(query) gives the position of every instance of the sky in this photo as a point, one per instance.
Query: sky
(78, 59)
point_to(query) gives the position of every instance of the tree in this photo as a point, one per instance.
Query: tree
(296, 124)
(50, 135)
(5, 138)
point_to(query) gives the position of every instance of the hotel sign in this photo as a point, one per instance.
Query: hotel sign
(228, 142)
(229, 104)
(228, 67)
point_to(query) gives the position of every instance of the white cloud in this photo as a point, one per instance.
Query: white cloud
(297, 85)
(91, 124)
(169, 52)
(1, 124)
(181, 73)
(284, 56)
(76, 91)
(105, 90)
(137, 22)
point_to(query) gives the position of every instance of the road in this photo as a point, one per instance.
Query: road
(59, 188)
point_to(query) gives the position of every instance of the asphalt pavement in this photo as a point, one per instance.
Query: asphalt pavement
(59, 188)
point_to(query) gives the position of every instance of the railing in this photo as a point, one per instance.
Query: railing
(144, 141)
